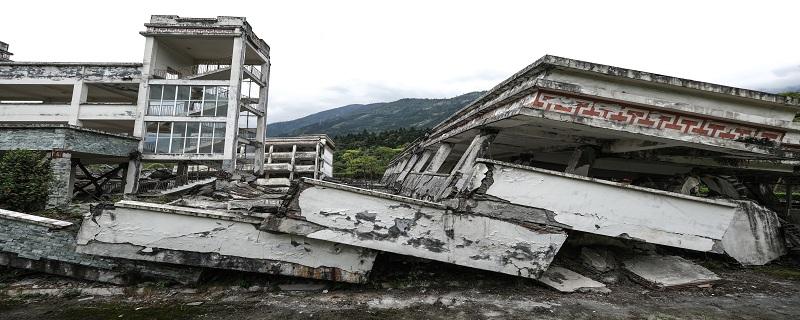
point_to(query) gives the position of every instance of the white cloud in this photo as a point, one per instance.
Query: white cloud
(332, 53)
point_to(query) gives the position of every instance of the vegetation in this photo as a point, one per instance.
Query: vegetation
(375, 117)
(365, 155)
(25, 180)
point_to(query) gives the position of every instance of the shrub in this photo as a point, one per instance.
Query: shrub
(25, 180)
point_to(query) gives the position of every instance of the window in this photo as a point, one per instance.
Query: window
(184, 137)
(196, 101)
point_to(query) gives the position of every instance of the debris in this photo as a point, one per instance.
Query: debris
(565, 280)
(754, 236)
(303, 287)
(667, 272)
(600, 260)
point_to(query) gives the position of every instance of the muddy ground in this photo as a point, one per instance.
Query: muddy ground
(405, 289)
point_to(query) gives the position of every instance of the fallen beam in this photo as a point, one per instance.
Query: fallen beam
(368, 219)
(215, 239)
(604, 207)
(663, 272)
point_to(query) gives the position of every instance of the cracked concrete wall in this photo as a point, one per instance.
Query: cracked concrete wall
(612, 209)
(408, 228)
(208, 241)
(27, 243)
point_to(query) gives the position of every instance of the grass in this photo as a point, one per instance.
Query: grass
(781, 272)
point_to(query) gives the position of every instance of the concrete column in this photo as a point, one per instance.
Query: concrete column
(410, 165)
(581, 161)
(234, 94)
(441, 155)
(63, 180)
(79, 95)
(317, 155)
(460, 174)
(294, 151)
(132, 176)
(422, 161)
(261, 126)
(182, 172)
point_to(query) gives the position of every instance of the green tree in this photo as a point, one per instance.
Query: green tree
(25, 180)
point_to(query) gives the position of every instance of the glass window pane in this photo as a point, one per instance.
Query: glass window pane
(181, 108)
(169, 93)
(195, 108)
(197, 93)
(183, 93)
(222, 93)
(208, 108)
(155, 92)
(177, 145)
(222, 108)
(219, 145)
(191, 145)
(207, 129)
(211, 93)
(205, 145)
(150, 137)
(179, 129)
(192, 129)
(163, 145)
(219, 129)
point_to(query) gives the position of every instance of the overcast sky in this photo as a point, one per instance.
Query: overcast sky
(327, 54)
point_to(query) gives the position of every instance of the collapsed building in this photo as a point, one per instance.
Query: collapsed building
(562, 150)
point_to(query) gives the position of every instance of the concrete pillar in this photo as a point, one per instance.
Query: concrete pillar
(317, 155)
(132, 176)
(422, 161)
(261, 126)
(234, 97)
(63, 180)
(294, 152)
(409, 166)
(581, 161)
(460, 174)
(182, 173)
(79, 95)
(441, 155)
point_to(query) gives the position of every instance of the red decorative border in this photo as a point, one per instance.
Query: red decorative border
(648, 118)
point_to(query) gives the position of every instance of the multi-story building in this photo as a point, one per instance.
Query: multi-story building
(198, 96)
(290, 158)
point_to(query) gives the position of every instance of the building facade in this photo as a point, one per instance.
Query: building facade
(198, 96)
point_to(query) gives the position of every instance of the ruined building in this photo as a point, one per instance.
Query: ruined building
(198, 96)
(290, 158)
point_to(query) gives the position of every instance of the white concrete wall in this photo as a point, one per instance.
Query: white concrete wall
(612, 209)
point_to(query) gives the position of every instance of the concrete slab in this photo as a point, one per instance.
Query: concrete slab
(215, 239)
(624, 211)
(422, 229)
(667, 271)
(565, 280)
(754, 236)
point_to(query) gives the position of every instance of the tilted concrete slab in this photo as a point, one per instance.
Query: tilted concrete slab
(422, 229)
(565, 280)
(754, 236)
(215, 239)
(667, 271)
(607, 208)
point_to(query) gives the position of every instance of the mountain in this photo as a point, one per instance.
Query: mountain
(374, 117)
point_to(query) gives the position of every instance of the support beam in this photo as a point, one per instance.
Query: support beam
(441, 155)
(79, 95)
(422, 161)
(234, 95)
(461, 173)
(630, 145)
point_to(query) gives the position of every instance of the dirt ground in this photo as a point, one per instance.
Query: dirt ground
(403, 289)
